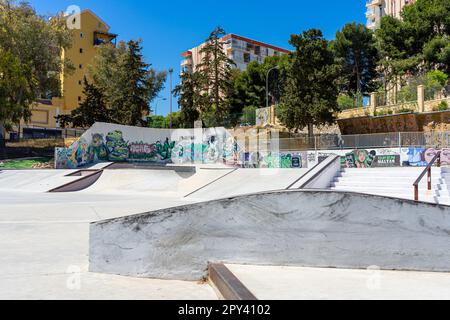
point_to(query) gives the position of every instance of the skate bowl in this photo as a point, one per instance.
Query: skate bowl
(306, 228)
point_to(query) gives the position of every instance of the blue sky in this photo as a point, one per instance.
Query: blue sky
(169, 28)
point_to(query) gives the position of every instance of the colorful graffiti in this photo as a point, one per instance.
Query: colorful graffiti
(210, 151)
(274, 160)
(371, 159)
(420, 157)
(117, 147)
(155, 152)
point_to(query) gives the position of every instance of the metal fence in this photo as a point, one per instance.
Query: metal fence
(363, 141)
(33, 133)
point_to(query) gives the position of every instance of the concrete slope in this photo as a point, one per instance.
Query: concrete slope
(296, 228)
(37, 181)
(247, 181)
(162, 183)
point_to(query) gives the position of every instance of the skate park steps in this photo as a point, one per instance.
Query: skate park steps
(395, 182)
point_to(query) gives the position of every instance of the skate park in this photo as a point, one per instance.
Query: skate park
(178, 228)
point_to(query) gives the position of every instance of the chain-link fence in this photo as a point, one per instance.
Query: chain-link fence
(33, 133)
(364, 141)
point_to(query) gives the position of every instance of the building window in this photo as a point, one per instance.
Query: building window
(81, 35)
(79, 99)
(79, 82)
(81, 66)
(246, 57)
(81, 50)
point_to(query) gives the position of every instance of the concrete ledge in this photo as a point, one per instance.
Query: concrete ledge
(309, 228)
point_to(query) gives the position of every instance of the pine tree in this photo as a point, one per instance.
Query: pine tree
(355, 49)
(215, 73)
(128, 83)
(311, 92)
(188, 99)
(93, 109)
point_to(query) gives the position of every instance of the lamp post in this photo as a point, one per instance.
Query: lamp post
(267, 84)
(170, 97)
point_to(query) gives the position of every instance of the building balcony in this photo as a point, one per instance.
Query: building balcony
(373, 3)
(104, 38)
(186, 63)
(370, 13)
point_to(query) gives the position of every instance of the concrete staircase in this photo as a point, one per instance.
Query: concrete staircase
(395, 182)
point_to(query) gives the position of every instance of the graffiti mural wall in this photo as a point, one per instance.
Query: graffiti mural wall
(378, 158)
(274, 160)
(420, 157)
(115, 143)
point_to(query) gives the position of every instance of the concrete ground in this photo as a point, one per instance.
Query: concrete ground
(293, 283)
(45, 239)
(45, 236)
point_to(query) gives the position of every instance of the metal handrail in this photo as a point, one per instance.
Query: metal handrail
(425, 171)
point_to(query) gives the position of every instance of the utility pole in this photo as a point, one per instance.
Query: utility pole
(171, 76)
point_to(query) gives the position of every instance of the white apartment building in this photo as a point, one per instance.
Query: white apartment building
(376, 9)
(239, 49)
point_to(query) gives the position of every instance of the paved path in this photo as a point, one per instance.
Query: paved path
(45, 238)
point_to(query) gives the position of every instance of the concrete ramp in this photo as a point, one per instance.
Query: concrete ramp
(289, 228)
(157, 182)
(38, 181)
(248, 181)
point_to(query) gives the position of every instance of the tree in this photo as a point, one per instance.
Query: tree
(311, 90)
(161, 122)
(188, 93)
(30, 59)
(128, 83)
(249, 87)
(93, 109)
(214, 74)
(417, 43)
(356, 51)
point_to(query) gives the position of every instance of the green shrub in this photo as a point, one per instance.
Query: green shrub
(443, 106)
(404, 110)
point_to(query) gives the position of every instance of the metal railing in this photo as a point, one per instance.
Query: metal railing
(416, 184)
(363, 141)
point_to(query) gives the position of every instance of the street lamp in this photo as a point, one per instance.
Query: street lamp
(267, 84)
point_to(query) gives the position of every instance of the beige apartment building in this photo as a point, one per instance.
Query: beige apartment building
(240, 49)
(89, 33)
(377, 9)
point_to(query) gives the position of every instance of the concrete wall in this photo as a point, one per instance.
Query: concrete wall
(354, 122)
(293, 228)
(117, 143)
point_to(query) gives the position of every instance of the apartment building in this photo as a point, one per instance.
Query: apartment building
(377, 9)
(90, 32)
(240, 49)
